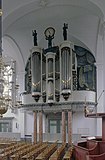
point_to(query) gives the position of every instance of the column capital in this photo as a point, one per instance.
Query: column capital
(69, 110)
(35, 111)
(63, 110)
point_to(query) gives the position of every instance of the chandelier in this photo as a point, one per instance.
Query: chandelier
(8, 87)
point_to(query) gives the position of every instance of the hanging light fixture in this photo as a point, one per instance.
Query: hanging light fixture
(3, 108)
(7, 76)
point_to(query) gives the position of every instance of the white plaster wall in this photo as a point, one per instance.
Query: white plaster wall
(100, 73)
(87, 126)
(104, 64)
(22, 123)
(29, 121)
(100, 79)
(29, 124)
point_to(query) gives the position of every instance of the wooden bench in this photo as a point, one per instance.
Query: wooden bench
(20, 152)
(35, 152)
(81, 152)
(96, 157)
(47, 152)
(58, 154)
(14, 154)
(68, 154)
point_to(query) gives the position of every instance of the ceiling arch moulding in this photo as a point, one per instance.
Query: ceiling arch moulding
(18, 12)
(17, 53)
(101, 5)
(12, 5)
(87, 4)
(34, 6)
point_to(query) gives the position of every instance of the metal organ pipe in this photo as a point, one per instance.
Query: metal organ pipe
(50, 77)
(36, 58)
(50, 68)
(66, 68)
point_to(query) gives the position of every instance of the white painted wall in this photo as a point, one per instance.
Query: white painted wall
(82, 125)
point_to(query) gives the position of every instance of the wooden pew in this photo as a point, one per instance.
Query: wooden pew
(99, 154)
(35, 152)
(22, 151)
(15, 153)
(81, 152)
(96, 157)
(47, 152)
(58, 154)
(9, 150)
(68, 154)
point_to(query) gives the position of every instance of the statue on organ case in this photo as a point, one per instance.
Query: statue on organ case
(34, 33)
(65, 27)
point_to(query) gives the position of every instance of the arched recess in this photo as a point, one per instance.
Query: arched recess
(12, 50)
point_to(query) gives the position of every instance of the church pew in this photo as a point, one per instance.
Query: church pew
(87, 144)
(96, 157)
(58, 154)
(68, 153)
(101, 147)
(47, 152)
(21, 152)
(100, 154)
(35, 152)
(81, 152)
(8, 151)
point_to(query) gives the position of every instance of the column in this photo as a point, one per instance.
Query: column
(63, 128)
(103, 96)
(40, 127)
(22, 118)
(35, 127)
(101, 74)
(103, 128)
(69, 128)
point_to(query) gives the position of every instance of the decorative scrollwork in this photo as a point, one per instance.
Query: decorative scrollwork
(36, 84)
(66, 81)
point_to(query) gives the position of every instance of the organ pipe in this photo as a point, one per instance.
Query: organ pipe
(66, 69)
(36, 72)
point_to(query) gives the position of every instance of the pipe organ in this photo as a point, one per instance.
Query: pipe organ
(60, 73)
(58, 79)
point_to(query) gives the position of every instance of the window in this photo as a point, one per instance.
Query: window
(55, 126)
(6, 124)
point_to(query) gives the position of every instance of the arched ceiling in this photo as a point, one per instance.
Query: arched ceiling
(26, 13)
(20, 17)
